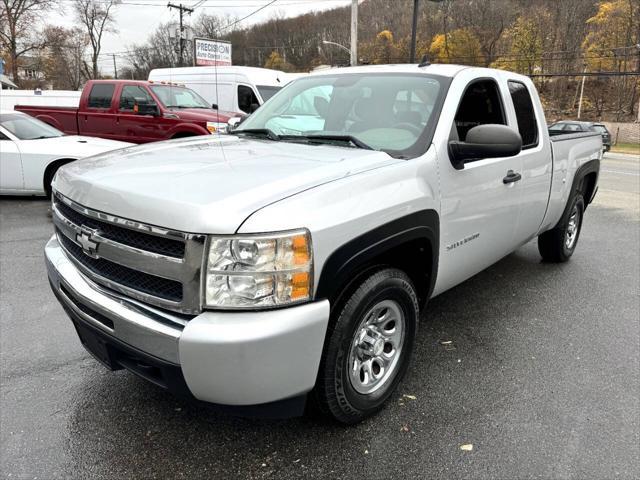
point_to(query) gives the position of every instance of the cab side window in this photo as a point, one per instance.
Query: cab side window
(101, 95)
(480, 105)
(132, 95)
(246, 98)
(3, 136)
(527, 125)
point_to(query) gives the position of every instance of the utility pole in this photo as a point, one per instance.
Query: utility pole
(115, 69)
(582, 91)
(354, 32)
(414, 28)
(182, 9)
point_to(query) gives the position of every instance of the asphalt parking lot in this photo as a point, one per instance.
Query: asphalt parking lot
(542, 377)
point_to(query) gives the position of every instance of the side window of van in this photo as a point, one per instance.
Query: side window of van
(246, 98)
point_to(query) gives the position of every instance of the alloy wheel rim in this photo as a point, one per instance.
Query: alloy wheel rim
(572, 228)
(376, 347)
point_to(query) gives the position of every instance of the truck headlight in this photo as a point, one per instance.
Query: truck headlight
(253, 271)
(216, 127)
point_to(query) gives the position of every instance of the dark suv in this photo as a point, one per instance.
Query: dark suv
(566, 126)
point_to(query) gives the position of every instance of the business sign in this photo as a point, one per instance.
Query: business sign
(211, 52)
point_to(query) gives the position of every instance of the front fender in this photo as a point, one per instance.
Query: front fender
(185, 129)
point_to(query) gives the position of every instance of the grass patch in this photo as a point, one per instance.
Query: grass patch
(626, 148)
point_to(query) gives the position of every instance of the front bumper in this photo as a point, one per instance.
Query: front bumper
(225, 358)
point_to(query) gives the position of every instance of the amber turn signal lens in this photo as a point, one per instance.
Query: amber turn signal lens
(300, 250)
(299, 285)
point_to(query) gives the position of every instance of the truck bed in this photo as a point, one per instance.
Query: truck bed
(62, 118)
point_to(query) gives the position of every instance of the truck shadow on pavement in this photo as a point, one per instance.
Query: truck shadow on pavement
(471, 344)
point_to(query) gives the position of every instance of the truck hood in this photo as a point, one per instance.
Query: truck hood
(202, 114)
(206, 184)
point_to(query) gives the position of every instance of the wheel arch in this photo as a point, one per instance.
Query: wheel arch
(50, 170)
(409, 243)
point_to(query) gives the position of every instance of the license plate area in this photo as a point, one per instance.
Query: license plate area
(96, 347)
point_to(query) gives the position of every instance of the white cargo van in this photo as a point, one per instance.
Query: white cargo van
(232, 89)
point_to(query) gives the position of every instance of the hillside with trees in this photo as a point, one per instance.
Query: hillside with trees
(553, 41)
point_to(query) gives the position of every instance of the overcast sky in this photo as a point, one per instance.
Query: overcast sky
(136, 22)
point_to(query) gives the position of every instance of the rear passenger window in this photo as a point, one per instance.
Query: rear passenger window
(525, 114)
(101, 95)
(480, 105)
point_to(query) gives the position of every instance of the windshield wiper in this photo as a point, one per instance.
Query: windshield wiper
(339, 138)
(270, 134)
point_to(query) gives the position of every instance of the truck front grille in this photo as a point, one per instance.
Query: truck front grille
(151, 264)
(127, 277)
(143, 241)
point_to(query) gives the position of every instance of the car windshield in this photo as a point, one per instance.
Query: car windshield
(179, 97)
(394, 113)
(600, 128)
(267, 91)
(25, 127)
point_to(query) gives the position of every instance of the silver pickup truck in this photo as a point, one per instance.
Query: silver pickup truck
(288, 263)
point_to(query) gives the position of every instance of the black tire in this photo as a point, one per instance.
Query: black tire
(553, 244)
(49, 173)
(335, 395)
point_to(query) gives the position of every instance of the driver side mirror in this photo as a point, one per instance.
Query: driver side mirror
(148, 109)
(233, 123)
(485, 141)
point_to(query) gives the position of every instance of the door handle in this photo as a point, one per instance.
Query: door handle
(511, 177)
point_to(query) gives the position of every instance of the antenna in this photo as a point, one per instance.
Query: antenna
(425, 61)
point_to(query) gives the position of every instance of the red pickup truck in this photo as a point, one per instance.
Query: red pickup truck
(134, 111)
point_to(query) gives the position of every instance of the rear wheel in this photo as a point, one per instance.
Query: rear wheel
(368, 347)
(558, 244)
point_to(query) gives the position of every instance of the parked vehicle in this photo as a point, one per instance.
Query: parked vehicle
(51, 98)
(32, 151)
(569, 126)
(233, 89)
(286, 263)
(134, 111)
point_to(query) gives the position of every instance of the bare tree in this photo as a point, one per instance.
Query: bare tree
(64, 62)
(17, 29)
(97, 18)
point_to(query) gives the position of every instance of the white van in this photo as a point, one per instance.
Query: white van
(230, 88)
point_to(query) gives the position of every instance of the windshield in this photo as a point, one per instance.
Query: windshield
(600, 128)
(267, 91)
(28, 128)
(394, 113)
(178, 97)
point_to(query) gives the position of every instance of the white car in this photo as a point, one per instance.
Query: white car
(32, 151)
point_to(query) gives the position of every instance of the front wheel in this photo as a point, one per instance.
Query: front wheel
(368, 347)
(558, 244)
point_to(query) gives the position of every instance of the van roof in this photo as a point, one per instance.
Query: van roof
(257, 76)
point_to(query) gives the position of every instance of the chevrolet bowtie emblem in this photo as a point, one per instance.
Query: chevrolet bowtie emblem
(86, 239)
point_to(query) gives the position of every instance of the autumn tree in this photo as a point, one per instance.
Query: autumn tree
(459, 46)
(526, 40)
(18, 29)
(96, 17)
(611, 45)
(277, 62)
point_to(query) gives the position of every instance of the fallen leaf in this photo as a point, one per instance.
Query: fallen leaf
(366, 452)
(445, 342)
(404, 428)
(467, 447)
(410, 397)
